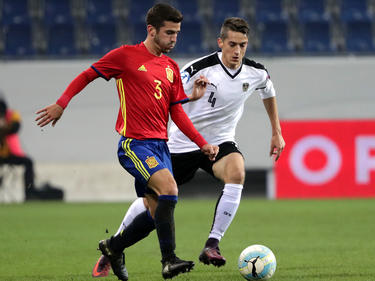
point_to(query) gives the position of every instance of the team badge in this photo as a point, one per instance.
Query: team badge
(185, 76)
(245, 87)
(142, 68)
(169, 74)
(151, 162)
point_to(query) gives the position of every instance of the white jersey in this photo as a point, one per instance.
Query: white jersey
(217, 113)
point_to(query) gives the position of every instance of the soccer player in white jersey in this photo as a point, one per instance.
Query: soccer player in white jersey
(233, 78)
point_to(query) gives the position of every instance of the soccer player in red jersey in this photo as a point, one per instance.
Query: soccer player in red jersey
(149, 88)
(233, 78)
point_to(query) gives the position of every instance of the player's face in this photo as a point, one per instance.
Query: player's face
(233, 48)
(166, 38)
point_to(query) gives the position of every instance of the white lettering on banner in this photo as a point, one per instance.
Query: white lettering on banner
(364, 161)
(315, 177)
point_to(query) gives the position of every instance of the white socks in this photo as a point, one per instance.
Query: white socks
(226, 209)
(136, 208)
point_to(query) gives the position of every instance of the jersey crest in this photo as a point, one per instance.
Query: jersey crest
(169, 74)
(151, 162)
(142, 68)
(245, 87)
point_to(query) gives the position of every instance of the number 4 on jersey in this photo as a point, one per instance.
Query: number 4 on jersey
(211, 99)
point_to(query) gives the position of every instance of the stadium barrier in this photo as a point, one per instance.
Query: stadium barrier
(107, 182)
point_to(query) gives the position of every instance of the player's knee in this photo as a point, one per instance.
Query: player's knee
(236, 176)
(169, 188)
(172, 190)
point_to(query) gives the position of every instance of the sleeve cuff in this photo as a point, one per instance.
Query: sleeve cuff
(63, 103)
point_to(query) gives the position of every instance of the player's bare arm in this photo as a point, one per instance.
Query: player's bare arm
(277, 140)
(199, 88)
(51, 113)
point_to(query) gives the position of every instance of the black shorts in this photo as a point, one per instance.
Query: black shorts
(186, 164)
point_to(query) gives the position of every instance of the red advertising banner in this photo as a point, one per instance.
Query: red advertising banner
(326, 159)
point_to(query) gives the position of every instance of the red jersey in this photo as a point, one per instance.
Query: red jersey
(147, 85)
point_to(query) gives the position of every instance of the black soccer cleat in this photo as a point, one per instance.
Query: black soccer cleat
(175, 266)
(212, 256)
(117, 260)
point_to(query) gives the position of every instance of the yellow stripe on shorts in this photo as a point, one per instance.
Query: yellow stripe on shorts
(137, 162)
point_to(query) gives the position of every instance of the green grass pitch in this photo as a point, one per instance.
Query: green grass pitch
(312, 240)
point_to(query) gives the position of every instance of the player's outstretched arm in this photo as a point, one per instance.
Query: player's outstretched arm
(199, 88)
(51, 113)
(277, 140)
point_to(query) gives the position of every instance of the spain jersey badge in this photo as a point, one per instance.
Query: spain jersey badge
(169, 74)
(151, 162)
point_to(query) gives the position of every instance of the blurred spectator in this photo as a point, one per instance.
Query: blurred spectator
(11, 153)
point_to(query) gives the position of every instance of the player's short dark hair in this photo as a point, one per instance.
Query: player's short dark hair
(162, 12)
(236, 25)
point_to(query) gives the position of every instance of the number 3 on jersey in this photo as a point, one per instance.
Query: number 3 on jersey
(159, 94)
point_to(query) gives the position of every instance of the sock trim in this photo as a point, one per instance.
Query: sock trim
(234, 185)
(168, 197)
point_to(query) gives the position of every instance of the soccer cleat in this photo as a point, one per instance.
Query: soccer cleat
(175, 266)
(117, 260)
(102, 267)
(212, 256)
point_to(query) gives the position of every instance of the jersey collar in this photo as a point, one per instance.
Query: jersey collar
(225, 68)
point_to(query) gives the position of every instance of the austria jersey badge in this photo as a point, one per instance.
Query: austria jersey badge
(169, 74)
(151, 162)
(245, 87)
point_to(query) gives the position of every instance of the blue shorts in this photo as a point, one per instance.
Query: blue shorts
(142, 158)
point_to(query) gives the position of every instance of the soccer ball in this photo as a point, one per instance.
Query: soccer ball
(257, 262)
